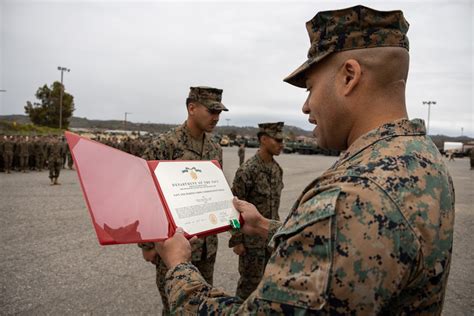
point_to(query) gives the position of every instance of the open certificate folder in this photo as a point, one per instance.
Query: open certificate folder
(132, 200)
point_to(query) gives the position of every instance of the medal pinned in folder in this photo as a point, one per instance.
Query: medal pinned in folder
(131, 200)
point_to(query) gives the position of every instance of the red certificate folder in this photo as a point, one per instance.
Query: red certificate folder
(123, 195)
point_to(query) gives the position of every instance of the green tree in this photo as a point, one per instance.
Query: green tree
(46, 111)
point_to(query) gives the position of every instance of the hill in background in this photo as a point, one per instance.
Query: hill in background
(78, 122)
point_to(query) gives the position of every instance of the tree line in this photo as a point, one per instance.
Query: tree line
(45, 111)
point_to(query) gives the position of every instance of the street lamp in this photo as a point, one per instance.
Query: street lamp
(227, 119)
(2, 90)
(62, 69)
(125, 120)
(429, 110)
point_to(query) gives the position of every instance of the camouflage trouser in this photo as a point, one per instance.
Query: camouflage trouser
(7, 161)
(251, 269)
(24, 162)
(70, 162)
(206, 267)
(55, 168)
(39, 161)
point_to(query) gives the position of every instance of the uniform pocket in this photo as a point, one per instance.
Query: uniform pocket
(297, 273)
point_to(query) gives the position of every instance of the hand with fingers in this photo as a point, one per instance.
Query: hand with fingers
(253, 222)
(239, 249)
(175, 250)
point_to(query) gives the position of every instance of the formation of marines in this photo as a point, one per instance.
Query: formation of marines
(37, 153)
(25, 153)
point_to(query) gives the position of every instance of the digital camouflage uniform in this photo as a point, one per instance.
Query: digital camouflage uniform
(471, 157)
(8, 147)
(55, 159)
(178, 144)
(135, 147)
(371, 235)
(241, 154)
(2, 140)
(64, 152)
(70, 161)
(23, 152)
(39, 152)
(31, 155)
(261, 184)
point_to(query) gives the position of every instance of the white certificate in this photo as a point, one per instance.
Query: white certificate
(197, 194)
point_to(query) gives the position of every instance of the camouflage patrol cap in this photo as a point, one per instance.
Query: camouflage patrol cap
(352, 28)
(207, 96)
(274, 130)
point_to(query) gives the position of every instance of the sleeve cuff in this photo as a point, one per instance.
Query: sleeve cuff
(272, 229)
(180, 268)
(235, 239)
(146, 245)
(185, 277)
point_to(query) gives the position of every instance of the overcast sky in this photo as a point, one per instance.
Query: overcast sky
(142, 57)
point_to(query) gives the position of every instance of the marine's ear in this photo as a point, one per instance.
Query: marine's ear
(191, 106)
(349, 74)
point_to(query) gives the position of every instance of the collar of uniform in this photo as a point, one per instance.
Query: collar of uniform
(402, 127)
(268, 165)
(194, 144)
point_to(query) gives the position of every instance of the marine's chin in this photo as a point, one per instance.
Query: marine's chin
(315, 131)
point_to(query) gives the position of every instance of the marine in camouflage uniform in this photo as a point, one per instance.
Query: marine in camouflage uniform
(23, 152)
(258, 181)
(39, 152)
(135, 147)
(373, 234)
(2, 164)
(8, 147)
(471, 157)
(180, 144)
(70, 161)
(31, 156)
(241, 154)
(55, 153)
(64, 151)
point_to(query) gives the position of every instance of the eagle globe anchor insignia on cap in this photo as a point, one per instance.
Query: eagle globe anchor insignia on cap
(347, 29)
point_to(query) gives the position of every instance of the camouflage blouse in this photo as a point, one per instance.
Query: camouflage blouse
(178, 144)
(261, 184)
(372, 235)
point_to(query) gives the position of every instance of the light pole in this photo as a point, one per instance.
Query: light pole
(125, 120)
(1, 108)
(62, 69)
(227, 122)
(429, 110)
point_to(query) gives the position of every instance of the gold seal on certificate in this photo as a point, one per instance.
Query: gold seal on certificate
(213, 219)
(197, 195)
